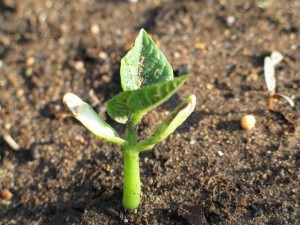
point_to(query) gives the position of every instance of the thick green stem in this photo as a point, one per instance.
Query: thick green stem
(132, 184)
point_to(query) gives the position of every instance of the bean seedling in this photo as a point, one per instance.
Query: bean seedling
(147, 81)
(269, 72)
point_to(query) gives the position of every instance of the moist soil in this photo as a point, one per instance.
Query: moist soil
(209, 171)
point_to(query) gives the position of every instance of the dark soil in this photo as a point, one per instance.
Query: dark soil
(209, 171)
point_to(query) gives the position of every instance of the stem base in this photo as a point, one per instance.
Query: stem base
(132, 184)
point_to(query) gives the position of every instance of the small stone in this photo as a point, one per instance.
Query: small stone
(209, 86)
(192, 141)
(294, 47)
(61, 41)
(118, 32)
(5, 40)
(80, 139)
(103, 55)
(230, 20)
(20, 92)
(248, 140)
(7, 126)
(105, 78)
(112, 212)
(253, 76)
(146, 160)
(6, 194)
(248, 122)
(95, 29)
(220, 153)
(79, 65)
(30, 61)
(200, 46)
(177, 55)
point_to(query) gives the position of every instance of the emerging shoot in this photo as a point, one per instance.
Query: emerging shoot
(269, 72)
(147, 81)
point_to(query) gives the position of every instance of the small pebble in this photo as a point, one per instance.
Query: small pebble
(7, 126)
(118, 32)
(209, 86)
(230, 20)
(177, 55)
(200, 46)
(253, 76)
(103, 55)
(192, 141)
(6, 194)
(30, 61)
(79, 65)
(248, 122)
(105, 78)
(294, 47)
(220, 153)
(5, 40)
(248, 139)
(20, 92)
(95, 29)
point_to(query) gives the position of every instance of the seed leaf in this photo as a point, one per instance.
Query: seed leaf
(168, 125)
(269, 72)
(84, 113)
(276, 57)
(144, 64)
(287, 98)
(142, 100)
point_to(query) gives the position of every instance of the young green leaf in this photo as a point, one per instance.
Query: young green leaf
(168, 125)
(144, 64)
(142, 100)
(91, 120)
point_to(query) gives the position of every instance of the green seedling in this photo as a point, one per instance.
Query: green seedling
(269, 72)
(147, 81)
(263, 4)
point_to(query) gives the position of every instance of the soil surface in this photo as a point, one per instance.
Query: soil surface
(210, 171)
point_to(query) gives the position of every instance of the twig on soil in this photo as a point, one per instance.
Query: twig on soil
(10, 141)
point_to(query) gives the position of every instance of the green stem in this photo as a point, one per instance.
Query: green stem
(132, 183)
